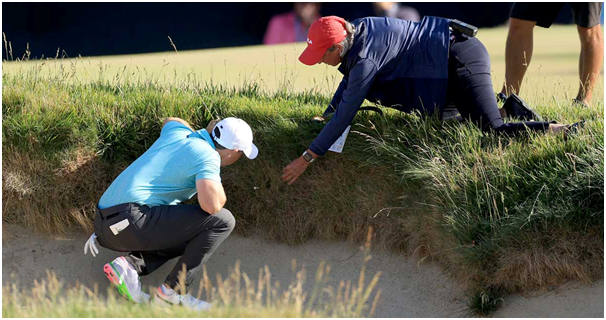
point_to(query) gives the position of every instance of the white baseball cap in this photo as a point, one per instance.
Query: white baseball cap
(233, 133)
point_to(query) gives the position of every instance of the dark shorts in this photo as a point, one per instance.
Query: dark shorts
(586, 14)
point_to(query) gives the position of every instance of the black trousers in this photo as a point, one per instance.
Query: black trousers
(154, 235)
(470, 88)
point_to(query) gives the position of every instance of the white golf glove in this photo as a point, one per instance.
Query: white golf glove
(91, 245)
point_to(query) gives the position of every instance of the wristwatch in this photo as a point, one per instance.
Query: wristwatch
(308, 157)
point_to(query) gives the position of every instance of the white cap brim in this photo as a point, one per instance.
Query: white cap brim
(252, 152)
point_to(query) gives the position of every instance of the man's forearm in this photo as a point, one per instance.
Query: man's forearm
(211, 195)
(333, 129)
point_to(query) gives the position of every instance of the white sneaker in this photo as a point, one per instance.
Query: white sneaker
(166, 297)
(124, 276)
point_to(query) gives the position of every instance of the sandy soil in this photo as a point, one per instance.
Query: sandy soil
(408, 289)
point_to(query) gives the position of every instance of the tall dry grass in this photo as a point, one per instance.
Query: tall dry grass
(238, 296)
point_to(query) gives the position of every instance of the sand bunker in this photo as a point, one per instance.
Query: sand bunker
(408, 289)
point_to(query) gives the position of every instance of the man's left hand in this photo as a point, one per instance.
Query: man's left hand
(292, 171)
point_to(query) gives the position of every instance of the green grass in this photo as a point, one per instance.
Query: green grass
(501, 214)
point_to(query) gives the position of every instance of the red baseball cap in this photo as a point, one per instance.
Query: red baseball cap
(322, 34)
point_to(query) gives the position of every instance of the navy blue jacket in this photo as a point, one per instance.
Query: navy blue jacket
(396, 63)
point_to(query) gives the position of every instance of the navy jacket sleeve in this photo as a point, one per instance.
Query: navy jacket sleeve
(336, 98)
(360, 79)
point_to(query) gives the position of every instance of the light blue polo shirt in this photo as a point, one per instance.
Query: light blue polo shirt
(166, 173)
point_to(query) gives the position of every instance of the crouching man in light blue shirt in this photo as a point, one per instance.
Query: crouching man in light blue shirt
(140, 212)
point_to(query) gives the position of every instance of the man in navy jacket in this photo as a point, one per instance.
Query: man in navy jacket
(407, 66)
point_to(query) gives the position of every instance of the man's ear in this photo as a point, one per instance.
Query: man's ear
(340, 47)
(211, 125)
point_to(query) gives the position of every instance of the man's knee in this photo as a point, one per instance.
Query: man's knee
(227, 218)
(496, 125)
(588, 35)
(520, 26)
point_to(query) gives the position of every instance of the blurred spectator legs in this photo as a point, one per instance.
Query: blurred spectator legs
(590, 61)
(518, 53)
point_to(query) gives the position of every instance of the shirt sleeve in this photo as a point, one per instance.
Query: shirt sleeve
(360, 80)
(209, 168)
(336, 98)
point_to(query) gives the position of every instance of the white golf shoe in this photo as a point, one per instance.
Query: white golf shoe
(124, 276)
(166, 297)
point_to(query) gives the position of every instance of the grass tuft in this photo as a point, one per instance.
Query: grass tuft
(483, 303)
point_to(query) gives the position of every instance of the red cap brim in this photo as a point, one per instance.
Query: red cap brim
(311, 55)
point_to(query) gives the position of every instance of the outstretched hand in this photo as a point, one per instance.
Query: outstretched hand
(293, 170)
